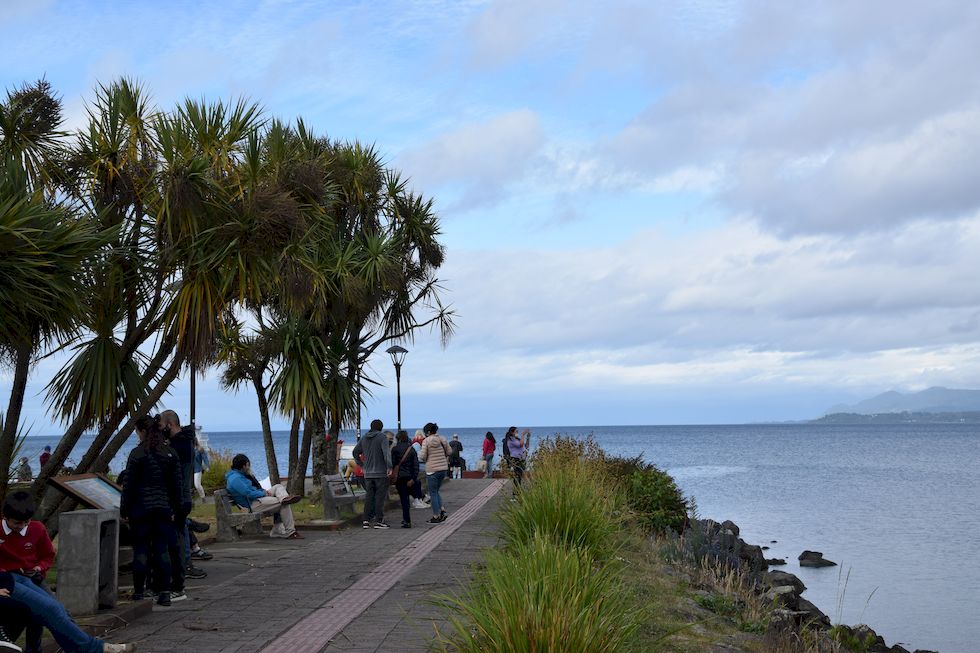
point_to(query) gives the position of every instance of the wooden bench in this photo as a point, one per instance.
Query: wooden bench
(337, 494)
(233, 522)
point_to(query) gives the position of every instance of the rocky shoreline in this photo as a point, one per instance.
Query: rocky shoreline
(783, 590)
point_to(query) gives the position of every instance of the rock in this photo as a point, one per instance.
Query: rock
(765, 548)
(876, 642)
(815, 559)
(813, 614)
(752, 556)
(774, 562)
(782, 578)
(729, 525)
(785, 596)
(773, 542)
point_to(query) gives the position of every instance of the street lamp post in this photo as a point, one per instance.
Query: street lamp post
(398, 357)
(361, 351)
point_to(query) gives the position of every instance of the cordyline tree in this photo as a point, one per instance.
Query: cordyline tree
(153, 244)
(371, 280)
(45, 246)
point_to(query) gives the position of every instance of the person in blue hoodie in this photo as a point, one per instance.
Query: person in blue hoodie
(246, 492)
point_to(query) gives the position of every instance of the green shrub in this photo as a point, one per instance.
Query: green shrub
(536, 596)
(654, 497)
(214, 478)
(568, 499)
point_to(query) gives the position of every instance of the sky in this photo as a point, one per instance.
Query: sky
(654, 212)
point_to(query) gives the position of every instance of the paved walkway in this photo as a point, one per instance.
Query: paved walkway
(352, 590)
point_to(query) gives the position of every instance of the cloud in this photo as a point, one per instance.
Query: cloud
(481, 158)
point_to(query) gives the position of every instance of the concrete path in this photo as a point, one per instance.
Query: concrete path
(352, 590)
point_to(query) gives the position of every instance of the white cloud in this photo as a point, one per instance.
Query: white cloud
(482, 157)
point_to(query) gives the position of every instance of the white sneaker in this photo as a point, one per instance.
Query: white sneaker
(118, 648)
(418, 503)
(177, 596)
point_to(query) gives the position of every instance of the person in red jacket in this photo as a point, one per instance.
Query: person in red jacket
(489, 448)
(25, 549)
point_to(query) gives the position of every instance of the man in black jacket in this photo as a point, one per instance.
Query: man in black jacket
(182, 441)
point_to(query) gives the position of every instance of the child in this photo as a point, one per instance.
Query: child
(25, 549)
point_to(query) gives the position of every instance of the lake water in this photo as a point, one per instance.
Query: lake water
(898, 507)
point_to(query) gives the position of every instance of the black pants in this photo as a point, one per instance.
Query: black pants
(376, 492)
(517, 465)
(404, 497)
(155, 539)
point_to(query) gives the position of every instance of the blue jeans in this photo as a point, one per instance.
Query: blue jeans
(435, 480)
(46, 610)
(489, 459)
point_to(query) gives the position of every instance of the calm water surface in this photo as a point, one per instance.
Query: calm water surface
(897, 506)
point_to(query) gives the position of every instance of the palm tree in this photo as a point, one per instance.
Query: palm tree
(44, 246)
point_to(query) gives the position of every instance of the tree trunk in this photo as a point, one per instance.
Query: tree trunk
(75, 430)
(297, 481)
(293, 445)
(331, 458)
(101, 462)
(270, 446)
(320, 450)
(22, 368)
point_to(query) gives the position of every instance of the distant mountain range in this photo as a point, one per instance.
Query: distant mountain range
(933, 400)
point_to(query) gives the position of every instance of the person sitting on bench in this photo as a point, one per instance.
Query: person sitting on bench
(22, 602)
(246, 492)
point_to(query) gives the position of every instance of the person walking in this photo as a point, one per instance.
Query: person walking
(201, 464)
(489, 448)
(152, 500)
(435, 454)
(406, 473)
(373, 445)
(456, 459)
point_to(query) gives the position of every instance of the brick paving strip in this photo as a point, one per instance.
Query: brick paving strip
(316, 630)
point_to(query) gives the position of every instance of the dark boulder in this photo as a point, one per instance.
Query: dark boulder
(729, 525)
(815, 559)
(813, 614)
(781, 578)
(775, 562)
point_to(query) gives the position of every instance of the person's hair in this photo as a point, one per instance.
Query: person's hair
(47, 447)
(19, 505)
(169, 417)
(24, 459)
(152, 430)
(512, 431)
(490, 436)
(377, 425)
(431, 428)
(390, 434)
(239, 461)
(402, 436)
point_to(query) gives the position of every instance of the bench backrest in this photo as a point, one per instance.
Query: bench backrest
(222, 498)
(337, 485)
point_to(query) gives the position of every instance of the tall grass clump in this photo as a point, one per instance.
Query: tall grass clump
(535, 596)
(214, 477)
(568, 499)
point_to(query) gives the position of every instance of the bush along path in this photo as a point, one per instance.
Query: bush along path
(598, 554)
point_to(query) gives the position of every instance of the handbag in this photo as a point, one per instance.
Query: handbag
(393, 472)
